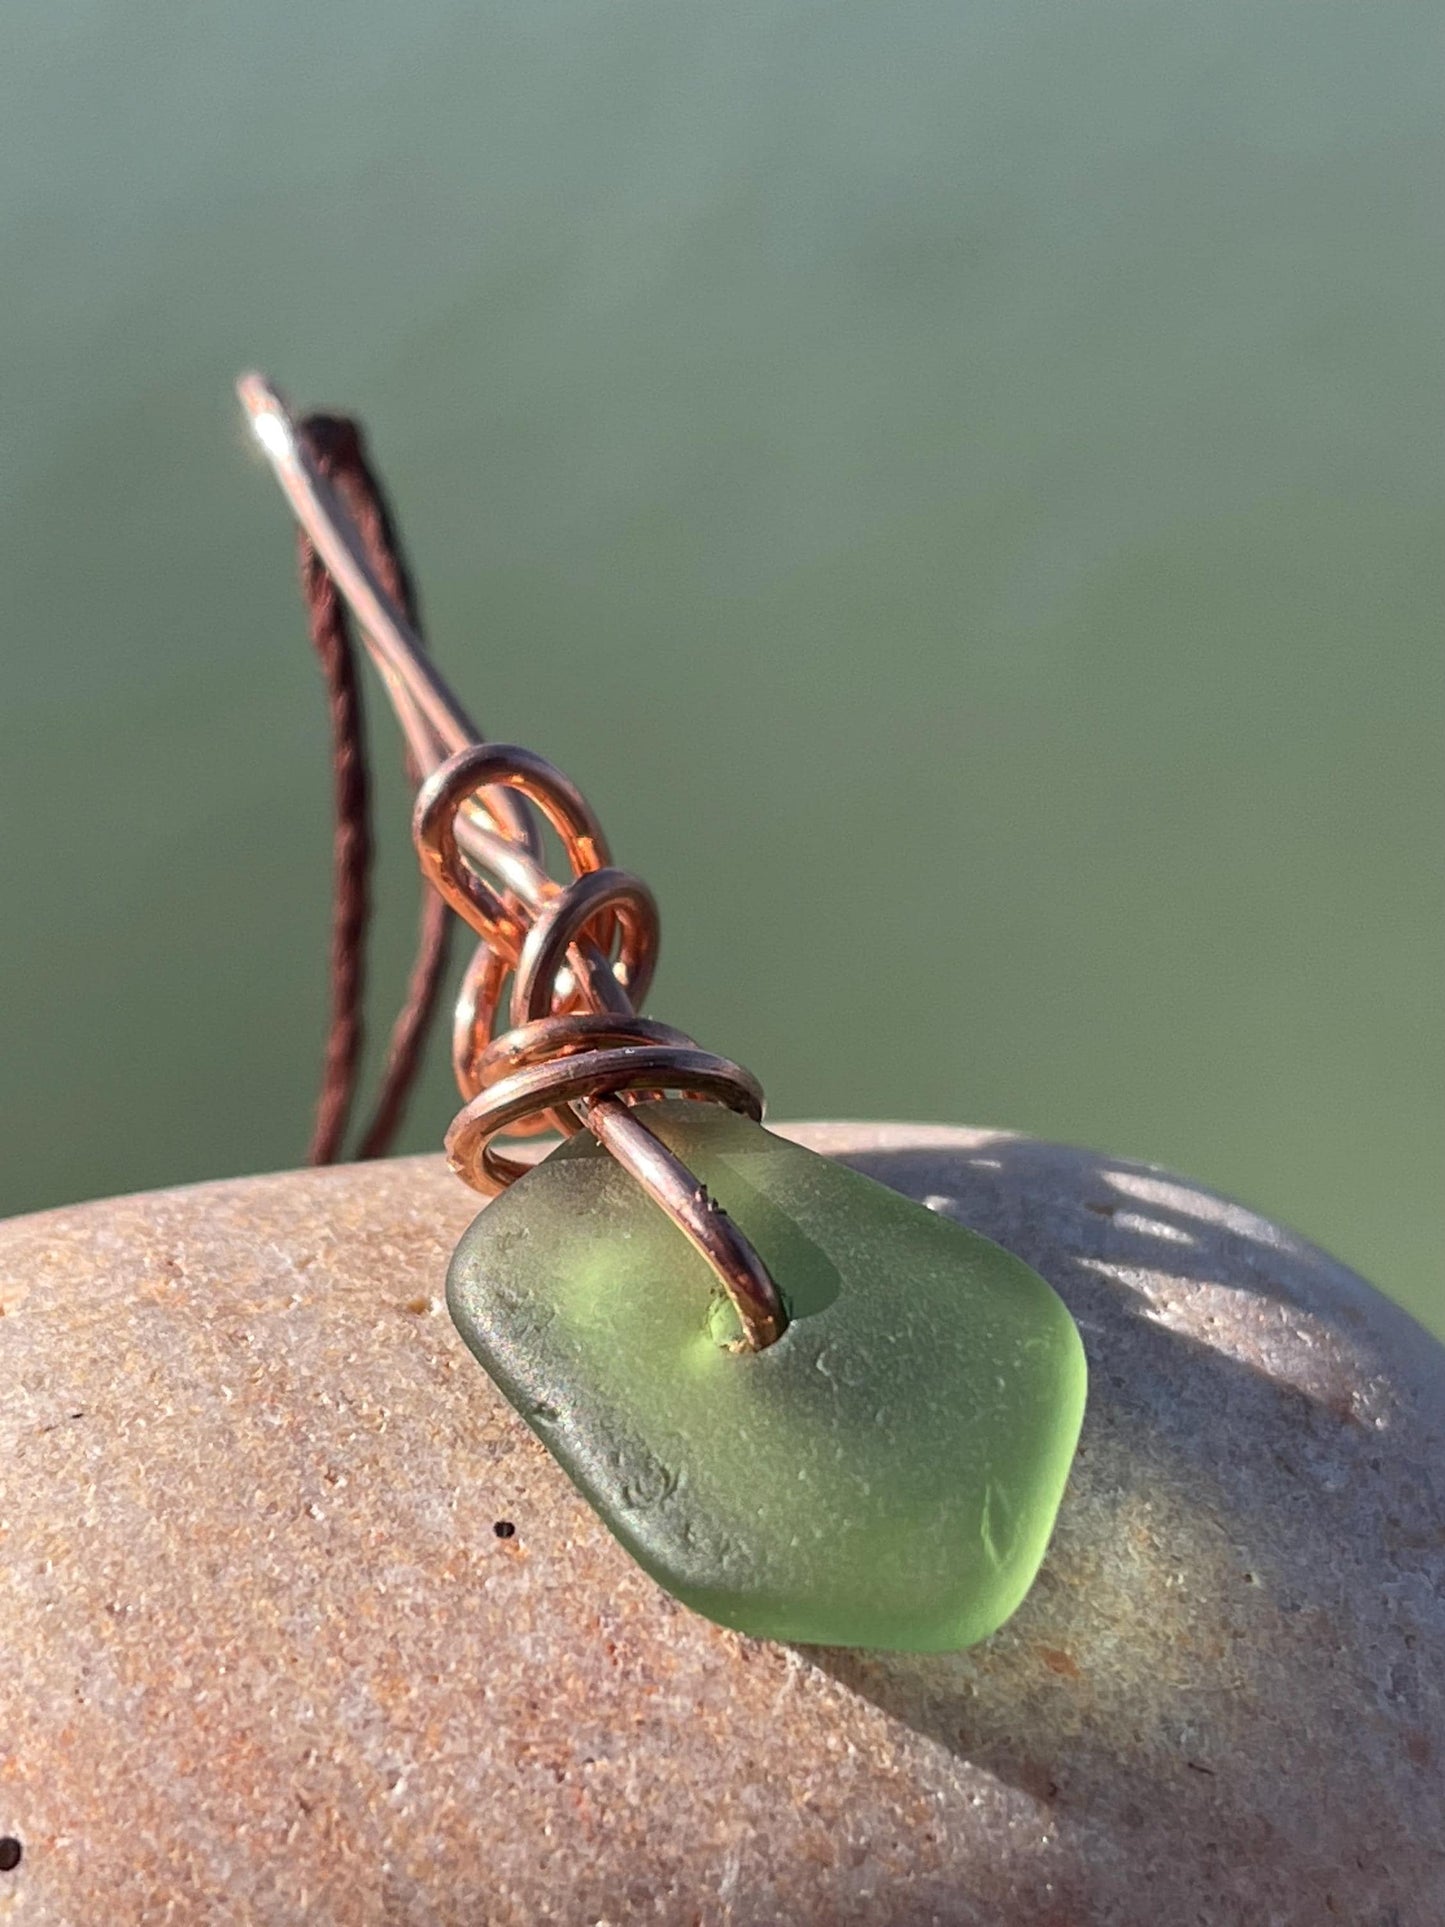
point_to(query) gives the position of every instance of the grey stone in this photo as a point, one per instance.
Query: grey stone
(266, 1659)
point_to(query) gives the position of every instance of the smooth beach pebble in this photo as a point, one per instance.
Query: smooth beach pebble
(302, 1623)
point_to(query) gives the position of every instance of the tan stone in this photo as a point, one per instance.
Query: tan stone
(266, 1659)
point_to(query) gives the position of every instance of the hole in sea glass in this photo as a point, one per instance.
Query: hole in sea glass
(10, 1854)
(504, 1529)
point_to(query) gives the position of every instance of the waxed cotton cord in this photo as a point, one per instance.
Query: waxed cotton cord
(337, 446)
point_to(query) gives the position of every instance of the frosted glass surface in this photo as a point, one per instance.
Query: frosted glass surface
(887, 1474)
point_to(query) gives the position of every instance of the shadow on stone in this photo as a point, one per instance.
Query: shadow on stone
(1246, 1558)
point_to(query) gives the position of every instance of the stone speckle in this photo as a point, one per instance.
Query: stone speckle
(268, 1659)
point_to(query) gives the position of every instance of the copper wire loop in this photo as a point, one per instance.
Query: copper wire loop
(571, 1051)
(587, 1072)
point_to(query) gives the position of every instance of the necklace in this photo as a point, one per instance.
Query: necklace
(810, 1408)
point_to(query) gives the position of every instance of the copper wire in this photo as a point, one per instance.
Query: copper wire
(571, 1051)
(573, 1048)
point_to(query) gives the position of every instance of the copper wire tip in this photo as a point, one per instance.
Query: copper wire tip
(266, 414)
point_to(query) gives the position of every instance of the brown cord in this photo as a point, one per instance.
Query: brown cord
(336, 445)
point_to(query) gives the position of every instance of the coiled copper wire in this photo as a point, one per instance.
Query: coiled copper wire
(571, 1050)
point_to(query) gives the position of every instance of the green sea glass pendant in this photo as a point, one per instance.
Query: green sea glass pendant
(887, 1474)
(885, 1467)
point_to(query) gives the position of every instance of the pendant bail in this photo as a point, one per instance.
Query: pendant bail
(577, 1053)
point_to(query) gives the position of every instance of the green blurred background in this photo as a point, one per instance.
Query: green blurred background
(958, 485)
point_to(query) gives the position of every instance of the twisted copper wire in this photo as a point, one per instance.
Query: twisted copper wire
(572, 1050)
